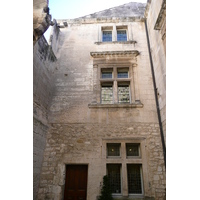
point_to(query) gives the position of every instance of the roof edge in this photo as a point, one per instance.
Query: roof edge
(62, 22)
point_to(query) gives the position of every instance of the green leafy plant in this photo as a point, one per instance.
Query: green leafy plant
(105, 190)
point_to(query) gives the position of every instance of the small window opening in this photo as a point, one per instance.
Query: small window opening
(113, 150)
(106, 73)
(132, 149)
(107, 36)
(121, 35)
(122, 73)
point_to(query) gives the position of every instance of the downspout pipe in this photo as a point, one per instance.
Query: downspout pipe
(156, 96)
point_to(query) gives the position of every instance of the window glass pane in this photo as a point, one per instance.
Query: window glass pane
(114, 177)
(121, 35)
(122, 74)
(106, 74)
(106, 94)
(132, 149)
(113, 149)
(134, 179)
(107, 36)
(123, 94)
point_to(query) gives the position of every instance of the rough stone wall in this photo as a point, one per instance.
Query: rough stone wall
(43, 69)
(156, 23)
(76, 132)
(74, 143)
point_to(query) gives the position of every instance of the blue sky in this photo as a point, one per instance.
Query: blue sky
(70, 9)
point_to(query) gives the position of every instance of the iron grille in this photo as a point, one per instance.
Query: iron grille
(106, 94)
(123, 94)
(114, 177)
(134, 179)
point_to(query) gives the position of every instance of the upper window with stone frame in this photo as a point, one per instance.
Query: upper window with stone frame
(121, 35)
(107, 34)
(120, 88)
(115, 79)
(114, 33)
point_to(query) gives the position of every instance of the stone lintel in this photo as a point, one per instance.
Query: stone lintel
(125, 138)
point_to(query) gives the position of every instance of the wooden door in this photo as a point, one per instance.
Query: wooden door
(76, 182)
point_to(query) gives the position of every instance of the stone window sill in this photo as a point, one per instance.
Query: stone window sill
(116, 42)
(130, 197)
(128, 105)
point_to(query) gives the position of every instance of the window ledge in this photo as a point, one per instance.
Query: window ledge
(130, 197)
(117, 42)
(131, 105)
(114, 79)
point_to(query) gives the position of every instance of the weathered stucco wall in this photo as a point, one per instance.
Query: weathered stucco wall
(43, 84)
(77, 131)
(156, 23)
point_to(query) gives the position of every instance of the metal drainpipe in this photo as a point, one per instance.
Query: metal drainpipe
(156, 97)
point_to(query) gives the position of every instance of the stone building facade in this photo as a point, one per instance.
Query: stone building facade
(156, 23)
(43, 69)
(43, 88)
(95, 110)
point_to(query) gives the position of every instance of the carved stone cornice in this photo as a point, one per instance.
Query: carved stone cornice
(114, 53)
